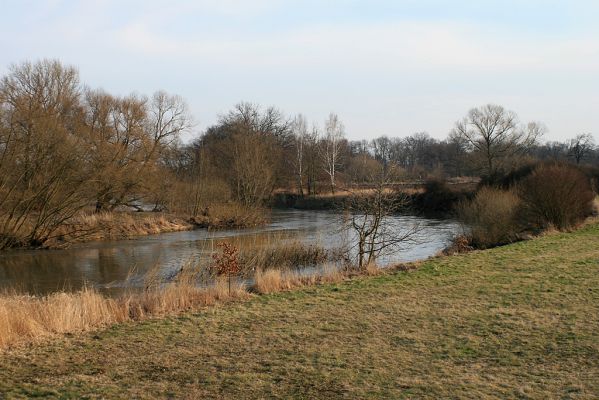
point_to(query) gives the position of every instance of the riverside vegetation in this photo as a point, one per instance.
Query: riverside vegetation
(72, 157)
(68, 151)
(514, 321)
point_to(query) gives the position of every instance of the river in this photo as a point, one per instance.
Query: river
(107, 265)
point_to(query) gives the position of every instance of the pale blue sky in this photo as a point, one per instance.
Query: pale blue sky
(386, 67)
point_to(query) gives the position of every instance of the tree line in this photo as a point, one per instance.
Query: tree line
(66, 148)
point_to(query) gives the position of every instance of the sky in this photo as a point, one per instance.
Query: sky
(385, 67)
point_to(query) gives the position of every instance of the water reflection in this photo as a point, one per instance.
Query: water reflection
(106, 265)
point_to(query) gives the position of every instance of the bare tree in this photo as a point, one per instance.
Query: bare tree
(370, 217)
(42, 154)
(581, 146)
(250, 118)
(382, 150)
(247, 147)
(331, 147)
(494, 133)
(300, 137)
(253, 168)
(311, 159)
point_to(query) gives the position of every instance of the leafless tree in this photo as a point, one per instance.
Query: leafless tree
(382, 150)
(331, 147)
(42, 154)
(300, 137)
(495, 134)
(581, 146)
(253, 168)
(311, 159)
(250, 118)
(370, 218)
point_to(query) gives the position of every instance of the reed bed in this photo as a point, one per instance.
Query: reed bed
(282, 255)
(230, 216)
(25, 318)
(115, 225)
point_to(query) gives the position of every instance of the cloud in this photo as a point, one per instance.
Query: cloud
(406, 45)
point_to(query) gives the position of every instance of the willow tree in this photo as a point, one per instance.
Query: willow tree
(43, 174)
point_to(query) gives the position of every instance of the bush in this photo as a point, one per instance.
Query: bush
(491, 217)
(556, 195)
(502, 180)
(438, 196)
(593, 174)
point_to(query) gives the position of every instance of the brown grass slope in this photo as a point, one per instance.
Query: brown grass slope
(520, 321)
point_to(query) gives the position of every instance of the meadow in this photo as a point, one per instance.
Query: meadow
(517, 321)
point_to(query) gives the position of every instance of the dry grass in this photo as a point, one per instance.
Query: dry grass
(518, 321)
(230, 216)
(276, 280)
(115, 225)
(30, 318)
(26, 318)
(283, 253)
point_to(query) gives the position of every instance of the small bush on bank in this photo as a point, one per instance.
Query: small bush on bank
(491, 217)
(555, 195)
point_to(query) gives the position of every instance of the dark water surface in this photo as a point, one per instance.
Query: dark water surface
(106, 265)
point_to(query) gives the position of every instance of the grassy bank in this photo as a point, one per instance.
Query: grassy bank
(520, 321)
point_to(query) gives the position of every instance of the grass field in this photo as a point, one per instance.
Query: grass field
(521, 321)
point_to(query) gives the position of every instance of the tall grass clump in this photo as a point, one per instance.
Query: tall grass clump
(556, 195)
(285, 254)
(276, 280)
(25, 318)
(491, 217)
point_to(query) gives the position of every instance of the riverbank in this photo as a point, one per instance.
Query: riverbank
(515, 321)
(116, 226)
(432, 198)
(119, 225)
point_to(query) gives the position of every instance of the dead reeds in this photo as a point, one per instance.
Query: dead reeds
(277, 280)
(25, 318)
(114, 225)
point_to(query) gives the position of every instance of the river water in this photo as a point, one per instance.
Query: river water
(108, 265)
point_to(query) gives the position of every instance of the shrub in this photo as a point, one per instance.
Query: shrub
(593, 174)
(491, 217)
(507, 180)
(556, 195)
(227, 262)
(438, 196)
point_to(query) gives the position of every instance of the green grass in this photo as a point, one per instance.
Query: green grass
(521, 321)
